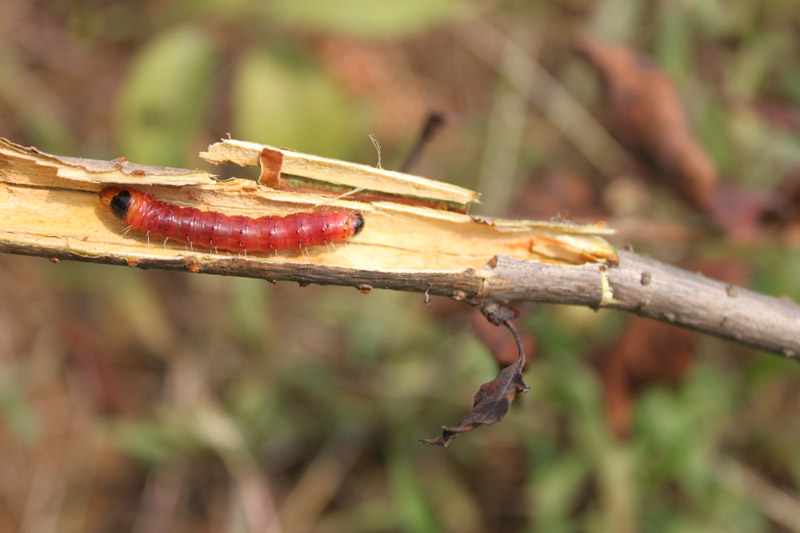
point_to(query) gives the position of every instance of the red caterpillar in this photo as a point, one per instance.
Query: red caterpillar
(210, 229)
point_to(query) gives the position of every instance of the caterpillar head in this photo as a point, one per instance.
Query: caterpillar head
(118, 200)
(358, 222)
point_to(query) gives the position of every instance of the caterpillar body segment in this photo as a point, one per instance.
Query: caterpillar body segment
(210, 229)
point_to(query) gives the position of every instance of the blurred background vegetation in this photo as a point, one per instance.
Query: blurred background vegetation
(159, 401)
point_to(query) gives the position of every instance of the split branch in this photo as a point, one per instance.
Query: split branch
(49, 208)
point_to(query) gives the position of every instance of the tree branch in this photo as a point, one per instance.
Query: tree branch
(663, 292)
(49, 208)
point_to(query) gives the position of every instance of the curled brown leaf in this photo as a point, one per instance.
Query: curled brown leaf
(494, 398)
(649, 120)
(647, 353)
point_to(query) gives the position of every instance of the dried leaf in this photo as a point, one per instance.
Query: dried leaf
(782, 116)
(750, 215)
(740, 212)
(783, 211)
(647, 354)
(648, 119)
(494, 398)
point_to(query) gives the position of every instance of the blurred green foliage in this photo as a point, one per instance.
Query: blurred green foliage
(281, 95)
(364, 18)
(164, 370)
(166, 97)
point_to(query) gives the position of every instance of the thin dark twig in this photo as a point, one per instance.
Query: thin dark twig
(433, 125)
(518, 340)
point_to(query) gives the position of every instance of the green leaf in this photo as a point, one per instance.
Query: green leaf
(285, 100)
(165, 97)
(367, 18)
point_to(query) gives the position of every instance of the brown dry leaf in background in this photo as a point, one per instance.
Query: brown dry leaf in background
(646, 354)
(649, 353)
(648, 119)
(783, 210)
(782, 116)
(751, 215)
(740, 212)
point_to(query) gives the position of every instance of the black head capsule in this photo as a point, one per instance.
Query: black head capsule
(121, 203)
(358, 223)
(118, 200)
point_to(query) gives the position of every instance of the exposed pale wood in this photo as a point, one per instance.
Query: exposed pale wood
(51, 203)
(345, 173)
(28, 166)
(49, 208)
